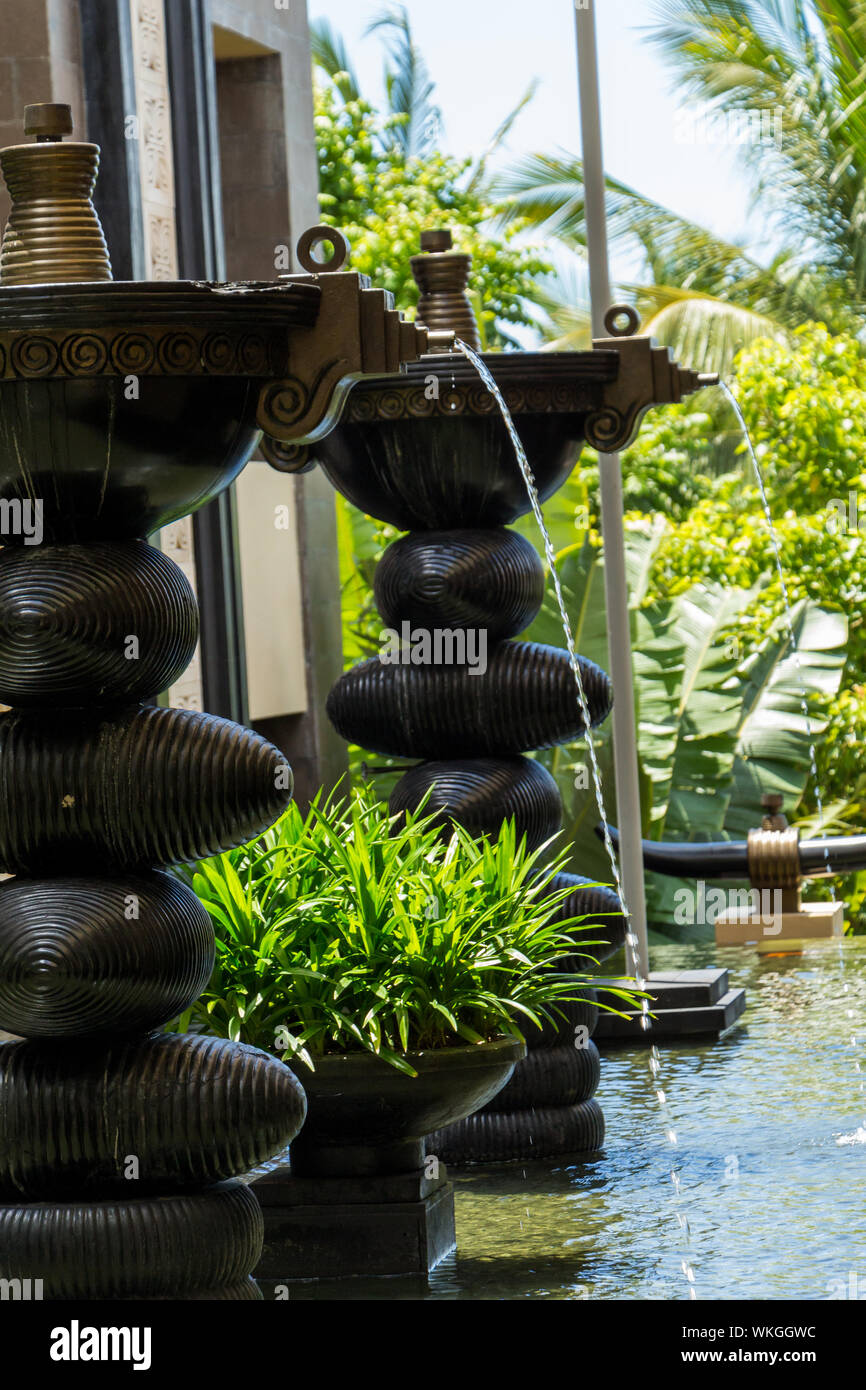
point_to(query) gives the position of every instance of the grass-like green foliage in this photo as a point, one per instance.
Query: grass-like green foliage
(350, 930)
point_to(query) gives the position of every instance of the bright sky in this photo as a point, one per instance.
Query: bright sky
(482, 54)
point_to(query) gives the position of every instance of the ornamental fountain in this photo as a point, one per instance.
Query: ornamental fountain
(429, 453)
(124, 406)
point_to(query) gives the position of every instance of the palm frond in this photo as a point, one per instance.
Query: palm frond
(547, 192)
(331, 56)
(701, 329)
(805, 60)
(500, 135)
(563, 303)
(408, 83)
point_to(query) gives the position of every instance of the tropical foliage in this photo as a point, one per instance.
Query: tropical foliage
(706, 573)
(350, 930)
(720, 720)
(718, 697)
(383, 181)
(791, 75)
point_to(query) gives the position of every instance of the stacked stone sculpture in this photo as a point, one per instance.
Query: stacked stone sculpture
(432, 456)
(124, 407)
(116, 1138)
(547, 1109)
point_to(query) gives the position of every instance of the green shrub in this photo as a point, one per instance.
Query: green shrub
(382, 199)
(349, 930)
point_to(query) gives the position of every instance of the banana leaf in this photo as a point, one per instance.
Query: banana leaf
(714, 732)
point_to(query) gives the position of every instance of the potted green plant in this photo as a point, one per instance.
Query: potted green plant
(395, 971)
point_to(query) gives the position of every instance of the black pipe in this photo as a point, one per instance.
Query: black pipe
(841, 854)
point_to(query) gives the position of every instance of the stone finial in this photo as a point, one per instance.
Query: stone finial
(53, 234)
(442, 276)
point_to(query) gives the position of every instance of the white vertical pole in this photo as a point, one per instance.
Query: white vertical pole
(616, 587)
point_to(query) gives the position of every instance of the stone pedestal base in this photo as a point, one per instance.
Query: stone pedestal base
(331, 1228)
(740, 927)
(684, 1003)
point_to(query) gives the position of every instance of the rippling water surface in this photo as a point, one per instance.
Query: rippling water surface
(771, 1130)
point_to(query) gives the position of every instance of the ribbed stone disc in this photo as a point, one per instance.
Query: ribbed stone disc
(177, 1110)
(112, 621)
(145, 1247)
(480, 793)
(526, 698)
(521, 1135)
(491, 580)
(148, 786)
(601, 909)
(84, 956)
(552, 1076)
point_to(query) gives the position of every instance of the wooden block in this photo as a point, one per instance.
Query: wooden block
(740, 927)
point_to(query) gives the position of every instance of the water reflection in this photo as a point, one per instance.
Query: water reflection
(771, 1164)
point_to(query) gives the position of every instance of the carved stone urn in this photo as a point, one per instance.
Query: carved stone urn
(431, 454)
(123, 407)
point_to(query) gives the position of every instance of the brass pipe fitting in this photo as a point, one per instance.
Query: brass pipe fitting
(774, 864)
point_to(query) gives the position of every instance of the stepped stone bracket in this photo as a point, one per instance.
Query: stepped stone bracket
(357, 332)
(648, 376)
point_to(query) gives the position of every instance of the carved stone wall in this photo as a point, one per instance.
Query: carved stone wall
(156, 166)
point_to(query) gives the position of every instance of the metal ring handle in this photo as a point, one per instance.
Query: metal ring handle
(319, 236)
(617, 312)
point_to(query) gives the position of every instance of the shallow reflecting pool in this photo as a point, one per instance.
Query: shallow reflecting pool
(771, 1148)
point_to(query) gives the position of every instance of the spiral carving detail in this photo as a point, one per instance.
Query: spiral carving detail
(81, 956)
(98, 623)
(191, 786)
(189, 1110)
(524, 699)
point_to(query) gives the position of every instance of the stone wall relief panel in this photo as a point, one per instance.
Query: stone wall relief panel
(153, 100)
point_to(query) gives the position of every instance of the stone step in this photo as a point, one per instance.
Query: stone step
(679, 989)
(693, 1020)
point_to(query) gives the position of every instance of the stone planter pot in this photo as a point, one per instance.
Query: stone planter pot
(365, 1118)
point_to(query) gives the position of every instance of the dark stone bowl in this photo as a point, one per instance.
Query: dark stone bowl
(107, 468)
(429, 450)
(124, 406)
(364, 1117)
